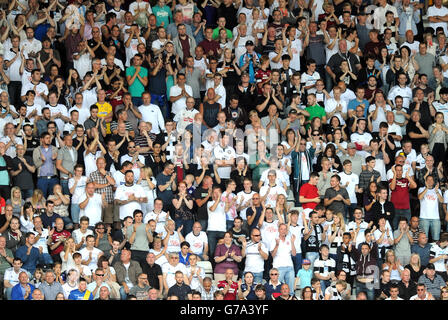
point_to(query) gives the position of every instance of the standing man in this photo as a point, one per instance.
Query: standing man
(44, 159)
(66, 161)
(137, 78)
(151, 113)
(103, 182)
(166, 184)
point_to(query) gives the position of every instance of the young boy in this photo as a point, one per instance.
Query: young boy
(304, 275)
(80, 235)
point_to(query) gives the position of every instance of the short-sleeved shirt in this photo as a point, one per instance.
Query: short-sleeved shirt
(136, 88)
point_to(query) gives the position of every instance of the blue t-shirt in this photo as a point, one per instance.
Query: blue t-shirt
(354, 103)
(78, 295)
(305, 277)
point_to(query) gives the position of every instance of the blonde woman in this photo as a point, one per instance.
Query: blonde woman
(67, 254)
(393, 265)
(16, 201)
(148, 183)
(335, 233)
(61, 203)
(415, 267)
(282, 208)
(38, 201)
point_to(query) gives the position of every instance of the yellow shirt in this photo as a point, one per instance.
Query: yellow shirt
(103, 110)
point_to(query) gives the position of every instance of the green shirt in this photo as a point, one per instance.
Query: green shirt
(136, 89)
(4, 264)
(316, 111)
(215, 35)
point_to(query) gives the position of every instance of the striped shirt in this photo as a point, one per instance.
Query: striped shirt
(333, 292)
(97, 177)
(324, 267)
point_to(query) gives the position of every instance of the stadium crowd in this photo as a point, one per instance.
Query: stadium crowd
(223, 150)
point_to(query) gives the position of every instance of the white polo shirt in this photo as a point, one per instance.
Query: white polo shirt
(152, 113)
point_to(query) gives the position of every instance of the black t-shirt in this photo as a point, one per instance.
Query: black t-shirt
(261, 99)
(24, 179)
(157, 83)
(153, 272)
(201, 213)
(31, 144)
(124, 147)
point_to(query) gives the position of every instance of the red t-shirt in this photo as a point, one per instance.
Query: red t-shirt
(309, 191)
(55, 237)
(400, 196)
(231, 293)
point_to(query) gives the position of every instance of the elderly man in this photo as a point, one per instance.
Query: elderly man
(50, 288)
(334, 64)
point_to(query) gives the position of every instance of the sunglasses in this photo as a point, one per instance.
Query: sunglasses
(257, 235)
(274, 274)
(99, 275)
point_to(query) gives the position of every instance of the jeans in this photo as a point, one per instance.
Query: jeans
(213, 237)
(14, 88)
(188, 226)
(75, 212)
(64, 185)
(8, 292)
(434, 224)
(324, 284)
(367, 288)
(160, 100)
(45, 258)
(312, 256)
(229, 224)
(27, 193)
(137, 101)
(401, 213)
(286, 275)
(297, 261)
(204, 224)
(349, 214)
(46, 185)
(123, 294)
(139, 256)
(67, 222)
(258, 277)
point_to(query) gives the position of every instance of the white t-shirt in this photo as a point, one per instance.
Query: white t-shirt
(93, 265)
(442, 11)
(163, 216)
(195, 283)
(217, 218)
(269, 231)
(381, 116)
(123, 192)
(170, 272)
(353, 180)
(331, 105)
(197, 242)
(40, 88)
(254, 261)
(79, 190)
(78, 235)
(284, 251)
(429, 205)
(92, 209)
(227, 153)
(180, 104)
(273, 194)
(245, 198)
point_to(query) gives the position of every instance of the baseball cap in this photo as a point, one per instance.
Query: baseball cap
(306, 261)
(431, 266)
(249, 43)
(294, 111)
(351, 145)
